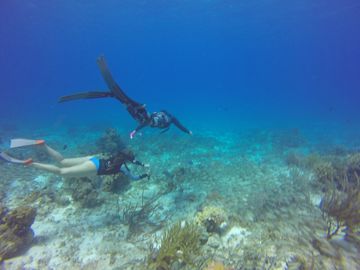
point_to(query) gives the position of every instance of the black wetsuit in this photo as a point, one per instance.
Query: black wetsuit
(107, 167)
(161, 119)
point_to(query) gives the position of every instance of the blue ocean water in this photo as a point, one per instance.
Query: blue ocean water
(223, 63)
(270, 90)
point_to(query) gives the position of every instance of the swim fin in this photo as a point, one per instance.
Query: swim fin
(113, 86)
(24, 142)
(85, 95)
(8, 158)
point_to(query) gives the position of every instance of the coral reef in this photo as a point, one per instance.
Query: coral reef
(340, 204)
(110, 142)
(137, 215)
(216, 266)
(271, 207)
(3, 211)
(2, 195)
(341, 209)
(175, 178)
(180, 244)
(213, 218)
(339, 172)
(15, 230)
(303, 263)
(83, 191)
(115, 183)
(325, 173)
(293, 159)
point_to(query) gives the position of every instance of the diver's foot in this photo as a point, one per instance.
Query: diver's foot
(27, 162)
(11, 159)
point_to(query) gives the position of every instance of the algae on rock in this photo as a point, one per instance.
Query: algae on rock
(213, 218)
(83, 190)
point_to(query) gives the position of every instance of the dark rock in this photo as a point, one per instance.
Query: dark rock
(115, 183)
(83, 191)
(3, 211)
(15, 230)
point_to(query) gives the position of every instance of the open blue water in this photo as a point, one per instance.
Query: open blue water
(223, 63)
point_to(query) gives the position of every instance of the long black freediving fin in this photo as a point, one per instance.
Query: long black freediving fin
(113, 86)
(85, 95)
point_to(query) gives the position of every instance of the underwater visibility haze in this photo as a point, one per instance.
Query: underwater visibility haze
(260, 168)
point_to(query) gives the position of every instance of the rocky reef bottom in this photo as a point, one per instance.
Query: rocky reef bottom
(16, 234)
(256, 200)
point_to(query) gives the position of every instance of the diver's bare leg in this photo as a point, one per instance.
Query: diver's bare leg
(86, 168)
(47, 167)
(66, 162)
(53, 153)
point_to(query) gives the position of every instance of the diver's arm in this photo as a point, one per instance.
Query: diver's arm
(139, 163)
(133, 177)
(133, 133)
(180, 126)
(136, 162)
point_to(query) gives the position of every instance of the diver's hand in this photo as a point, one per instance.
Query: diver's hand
(132, 134)
(190, 133)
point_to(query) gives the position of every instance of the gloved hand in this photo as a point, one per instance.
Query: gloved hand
(132, 134)
(145, 175)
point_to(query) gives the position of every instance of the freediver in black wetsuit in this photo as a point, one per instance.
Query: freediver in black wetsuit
(161, 119)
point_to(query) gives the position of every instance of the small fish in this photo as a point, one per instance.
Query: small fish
(65, 146)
